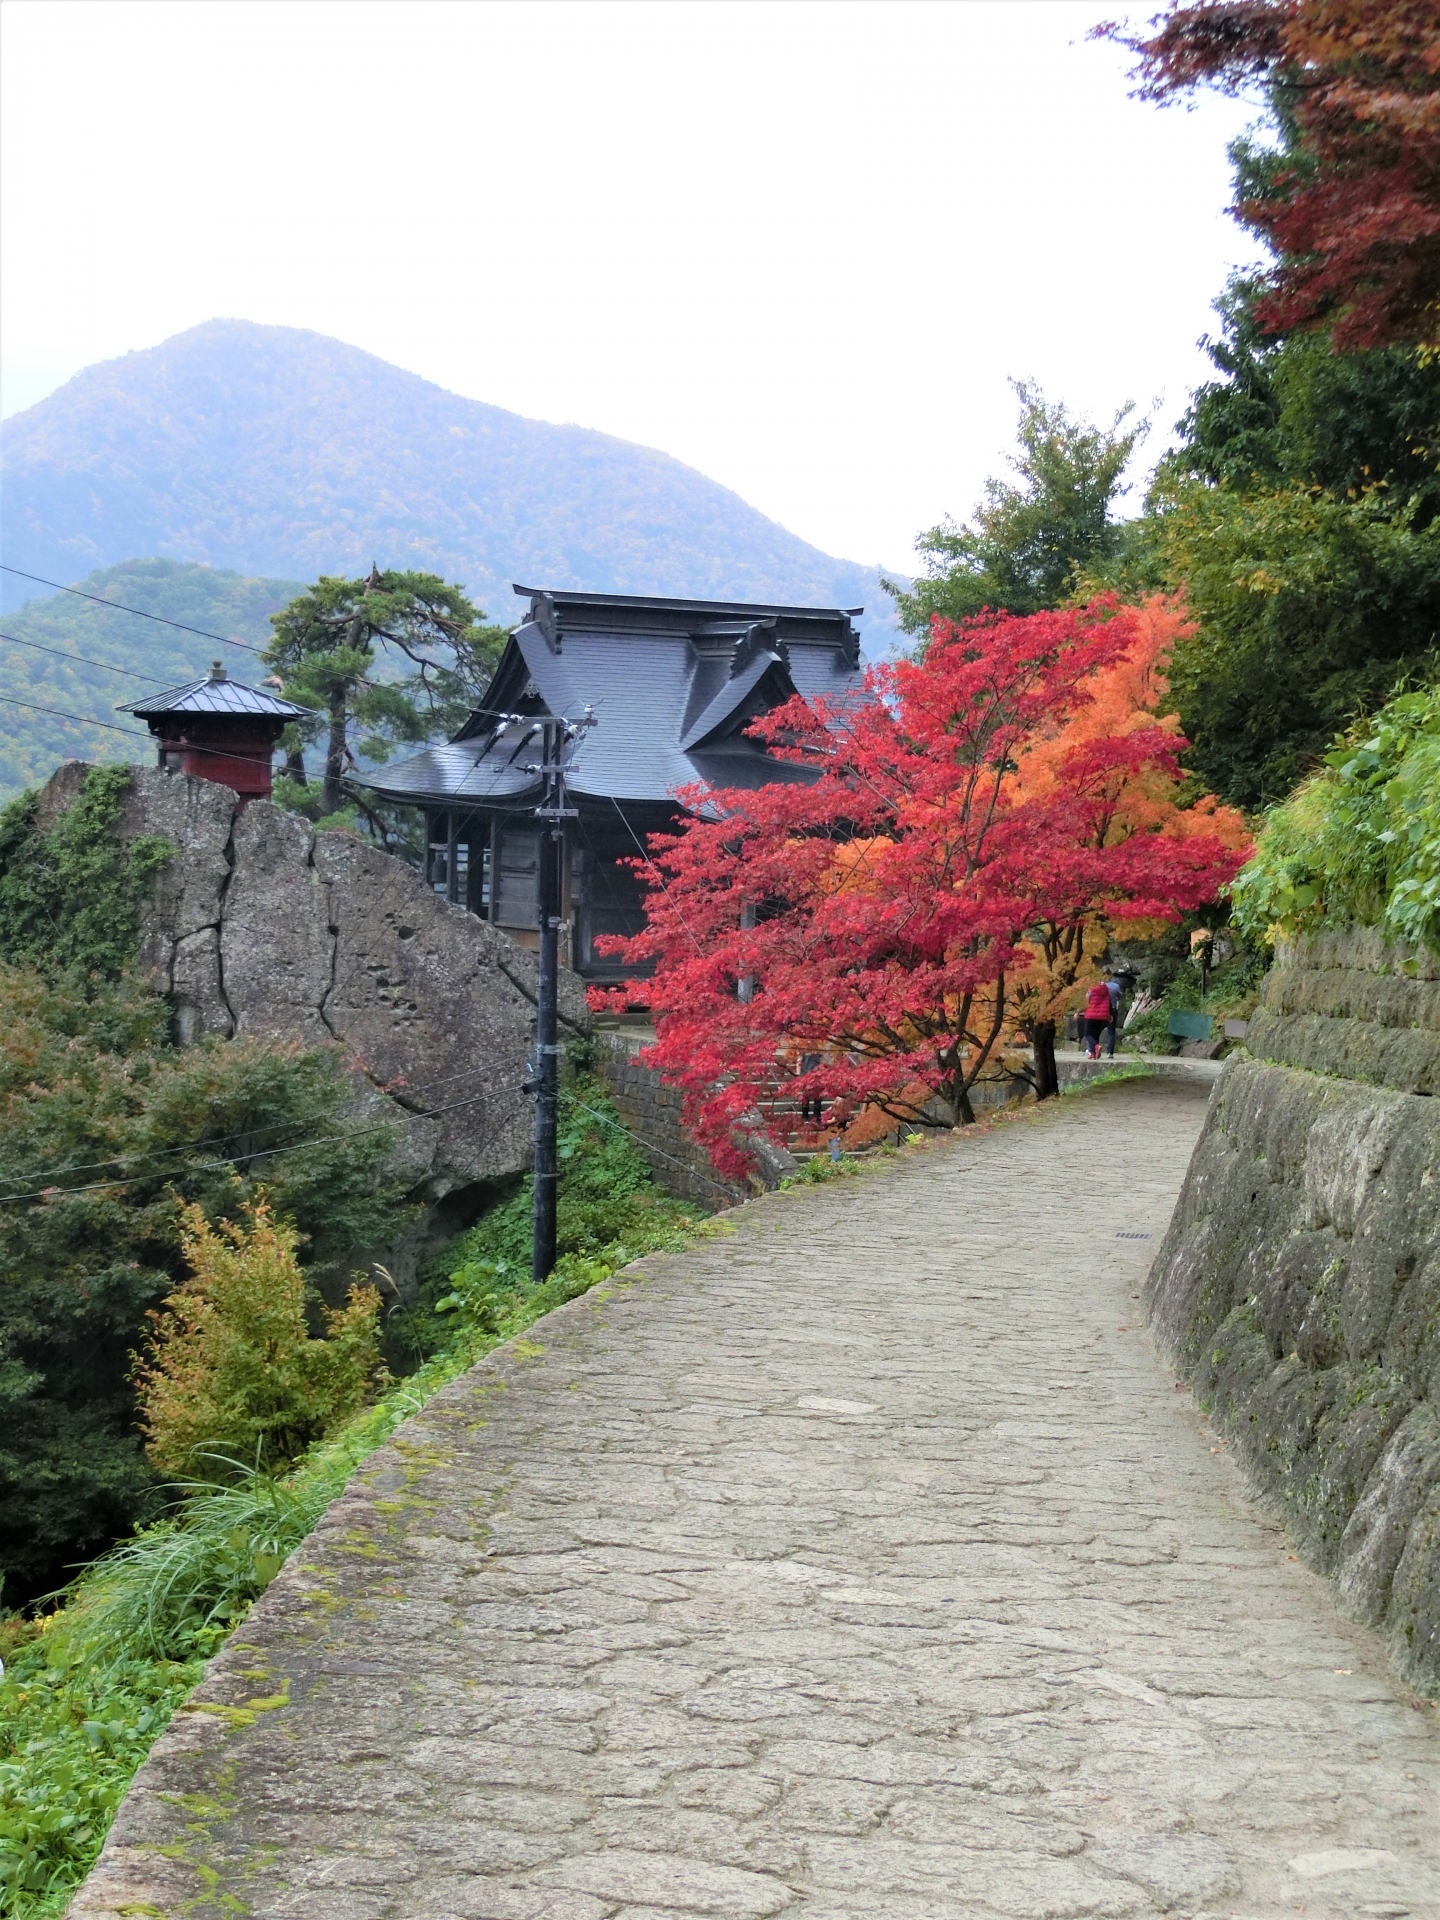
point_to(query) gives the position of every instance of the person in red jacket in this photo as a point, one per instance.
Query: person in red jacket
(1097, 1017)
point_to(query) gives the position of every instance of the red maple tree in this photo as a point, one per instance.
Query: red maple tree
(1355, 214)
(869, 920)
(1131, 693)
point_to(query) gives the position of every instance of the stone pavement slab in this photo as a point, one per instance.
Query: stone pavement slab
(862, 1563)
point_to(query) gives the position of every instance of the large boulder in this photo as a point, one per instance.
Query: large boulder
(262, 925)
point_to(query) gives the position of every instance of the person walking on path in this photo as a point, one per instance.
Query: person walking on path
(1117, 984)
(1097, 1017)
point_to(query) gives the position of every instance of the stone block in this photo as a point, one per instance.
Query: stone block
(1298, 1289)
(1379, 1527)
(1352, 1005)
(652, 1111)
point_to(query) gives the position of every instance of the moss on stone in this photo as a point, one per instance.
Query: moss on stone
(1298, 1289)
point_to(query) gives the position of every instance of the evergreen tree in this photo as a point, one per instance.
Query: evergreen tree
(1300, 518)
(1293, 412)
(390, 659)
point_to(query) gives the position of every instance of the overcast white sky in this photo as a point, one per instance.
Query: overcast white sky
(799, 246)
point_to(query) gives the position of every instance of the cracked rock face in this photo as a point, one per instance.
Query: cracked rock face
(260, 925)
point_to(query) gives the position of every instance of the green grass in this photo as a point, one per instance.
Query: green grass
(1112, 1076)
(88, 1687)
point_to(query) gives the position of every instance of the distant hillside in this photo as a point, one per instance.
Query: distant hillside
(277, 451)
(148, 656)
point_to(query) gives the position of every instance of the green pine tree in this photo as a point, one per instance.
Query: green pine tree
(392, 659)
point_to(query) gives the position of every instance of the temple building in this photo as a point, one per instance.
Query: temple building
(672, 685)
(219, 729)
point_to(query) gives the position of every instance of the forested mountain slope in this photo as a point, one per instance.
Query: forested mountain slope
(277, 451)
(135, 657)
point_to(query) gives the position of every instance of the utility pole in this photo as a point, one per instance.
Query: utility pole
(552, 813)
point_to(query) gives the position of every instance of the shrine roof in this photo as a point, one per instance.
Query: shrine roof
(216, 693)
(672, 685)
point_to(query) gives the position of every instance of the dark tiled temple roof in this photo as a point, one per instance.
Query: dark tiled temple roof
(673, 684)
(216, 693)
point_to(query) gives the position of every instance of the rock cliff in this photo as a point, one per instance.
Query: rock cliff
(1298, 1289)
(260, 925)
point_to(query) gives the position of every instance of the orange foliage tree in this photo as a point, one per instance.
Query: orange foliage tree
(959, 840)
(1116, 799)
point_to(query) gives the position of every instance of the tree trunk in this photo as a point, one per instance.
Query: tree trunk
(334, 757)
(964, 1112)
(339, 720)
(1047, 1080)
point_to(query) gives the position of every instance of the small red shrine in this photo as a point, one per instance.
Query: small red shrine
(219, 729)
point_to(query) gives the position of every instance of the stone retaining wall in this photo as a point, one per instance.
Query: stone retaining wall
(652, 1112)
(1298, 1289)
(1348, 1004)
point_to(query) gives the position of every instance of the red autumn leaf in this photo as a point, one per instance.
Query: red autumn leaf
(1355, 220)
(897, 909)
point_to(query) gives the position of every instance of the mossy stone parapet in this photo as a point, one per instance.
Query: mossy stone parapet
(1355, 1006)
(1298, 1289)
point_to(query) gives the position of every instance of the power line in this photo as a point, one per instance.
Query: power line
(83, 659)
(645, 1145)
(644, 855)
(139, 612)
(215, 1139)
(269, 1153)
(108, 725)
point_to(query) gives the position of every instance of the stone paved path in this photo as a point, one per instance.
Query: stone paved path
(862, 1563)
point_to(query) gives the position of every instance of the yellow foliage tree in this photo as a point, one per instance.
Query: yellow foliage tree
(231, 1371)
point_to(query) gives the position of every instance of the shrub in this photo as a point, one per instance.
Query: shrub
(1359, 842)
(88, 1689)
(608, 1212)
(74, 1733)
(106, 1132)
(70, 896)
(232, 1369)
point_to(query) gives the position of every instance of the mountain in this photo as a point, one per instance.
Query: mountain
(131, 657)
(279, 452)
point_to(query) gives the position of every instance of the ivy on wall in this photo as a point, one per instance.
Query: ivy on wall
(1359, 842)
(71, 893)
